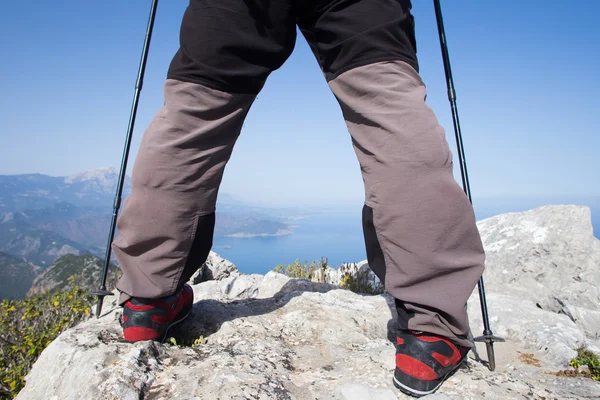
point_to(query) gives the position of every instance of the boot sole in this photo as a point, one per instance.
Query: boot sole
(415, 393)
(418, 393)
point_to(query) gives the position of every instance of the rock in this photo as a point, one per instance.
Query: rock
(229, 288)
(549, 256)
(360, 272)
(355, 391)
(555, 336)
(198, 275)
(307, 341)
(215, 268)
(272, 337)
(241, 286)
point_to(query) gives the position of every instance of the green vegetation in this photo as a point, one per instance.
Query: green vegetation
(308, 271)
(60, 299)
(28, 326)
(297, 270)
(586, 357)
(171, 341)
(302, 271)
(351, 283)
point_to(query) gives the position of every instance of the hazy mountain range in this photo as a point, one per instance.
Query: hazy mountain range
(44, 217)
(93, 188)
(16, 276)
(87, 270)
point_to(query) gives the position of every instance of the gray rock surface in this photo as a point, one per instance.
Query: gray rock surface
(271, 337)
(555, 336)
(548, 256)
(215, 268)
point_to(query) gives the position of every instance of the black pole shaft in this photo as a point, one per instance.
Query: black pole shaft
(117, 203)
(452, 99)
(487, 333)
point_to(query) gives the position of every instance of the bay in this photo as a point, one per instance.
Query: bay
(336, 235)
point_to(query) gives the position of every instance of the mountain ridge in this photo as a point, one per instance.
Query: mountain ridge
(43, 217)
(16, 276)
(87, 269)
(94, 187)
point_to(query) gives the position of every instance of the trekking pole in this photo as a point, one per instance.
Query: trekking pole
(102, 292)
(488, 336)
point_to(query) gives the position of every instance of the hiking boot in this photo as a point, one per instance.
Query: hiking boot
(424, 361)
(150, 319)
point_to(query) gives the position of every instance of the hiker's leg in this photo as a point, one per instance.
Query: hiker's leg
(419, 226)
(166, 227)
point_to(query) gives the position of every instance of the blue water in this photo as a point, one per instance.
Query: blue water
(335, 235)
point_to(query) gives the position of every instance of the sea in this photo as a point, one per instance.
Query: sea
(336, 235)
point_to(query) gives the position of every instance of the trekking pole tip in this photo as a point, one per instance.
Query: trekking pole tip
(100, 293)
(491, 356)
(99, 307)
(489, 340)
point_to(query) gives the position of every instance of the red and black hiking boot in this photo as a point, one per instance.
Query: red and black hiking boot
(424, 361)
(150, 319)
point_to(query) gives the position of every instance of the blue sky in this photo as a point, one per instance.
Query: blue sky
(526, 75)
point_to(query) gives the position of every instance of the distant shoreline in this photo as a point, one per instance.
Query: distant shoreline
(280, 232)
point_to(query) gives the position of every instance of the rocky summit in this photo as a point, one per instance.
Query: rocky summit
(272, 337)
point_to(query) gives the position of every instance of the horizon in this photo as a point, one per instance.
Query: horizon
(484, 207)
(528, 117)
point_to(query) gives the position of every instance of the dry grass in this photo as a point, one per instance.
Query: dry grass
(529, 359)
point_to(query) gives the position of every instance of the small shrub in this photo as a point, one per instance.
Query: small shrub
(172, 341)
(279, 269)
(355, 285)
(297, 270)
(28, 326)
(586, 357)
(307, 271)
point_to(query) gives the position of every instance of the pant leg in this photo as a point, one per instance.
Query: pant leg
(167, 223)
(228, 48)
(419, 227)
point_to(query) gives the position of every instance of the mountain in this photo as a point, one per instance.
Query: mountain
(16, 276)
(87, 268)
(44, 217)
(93, 188)
(84, 225)
(78, 207)
(97, 181)
(59, 224)
(41, 235)
(272, 337)
(228, 198)
(41, 247)
(247, 226)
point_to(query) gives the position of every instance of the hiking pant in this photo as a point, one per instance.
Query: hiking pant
(419, 227)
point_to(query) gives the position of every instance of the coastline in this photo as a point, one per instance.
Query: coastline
(280, 232)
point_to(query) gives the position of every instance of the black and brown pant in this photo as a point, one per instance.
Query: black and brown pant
(419, 227)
